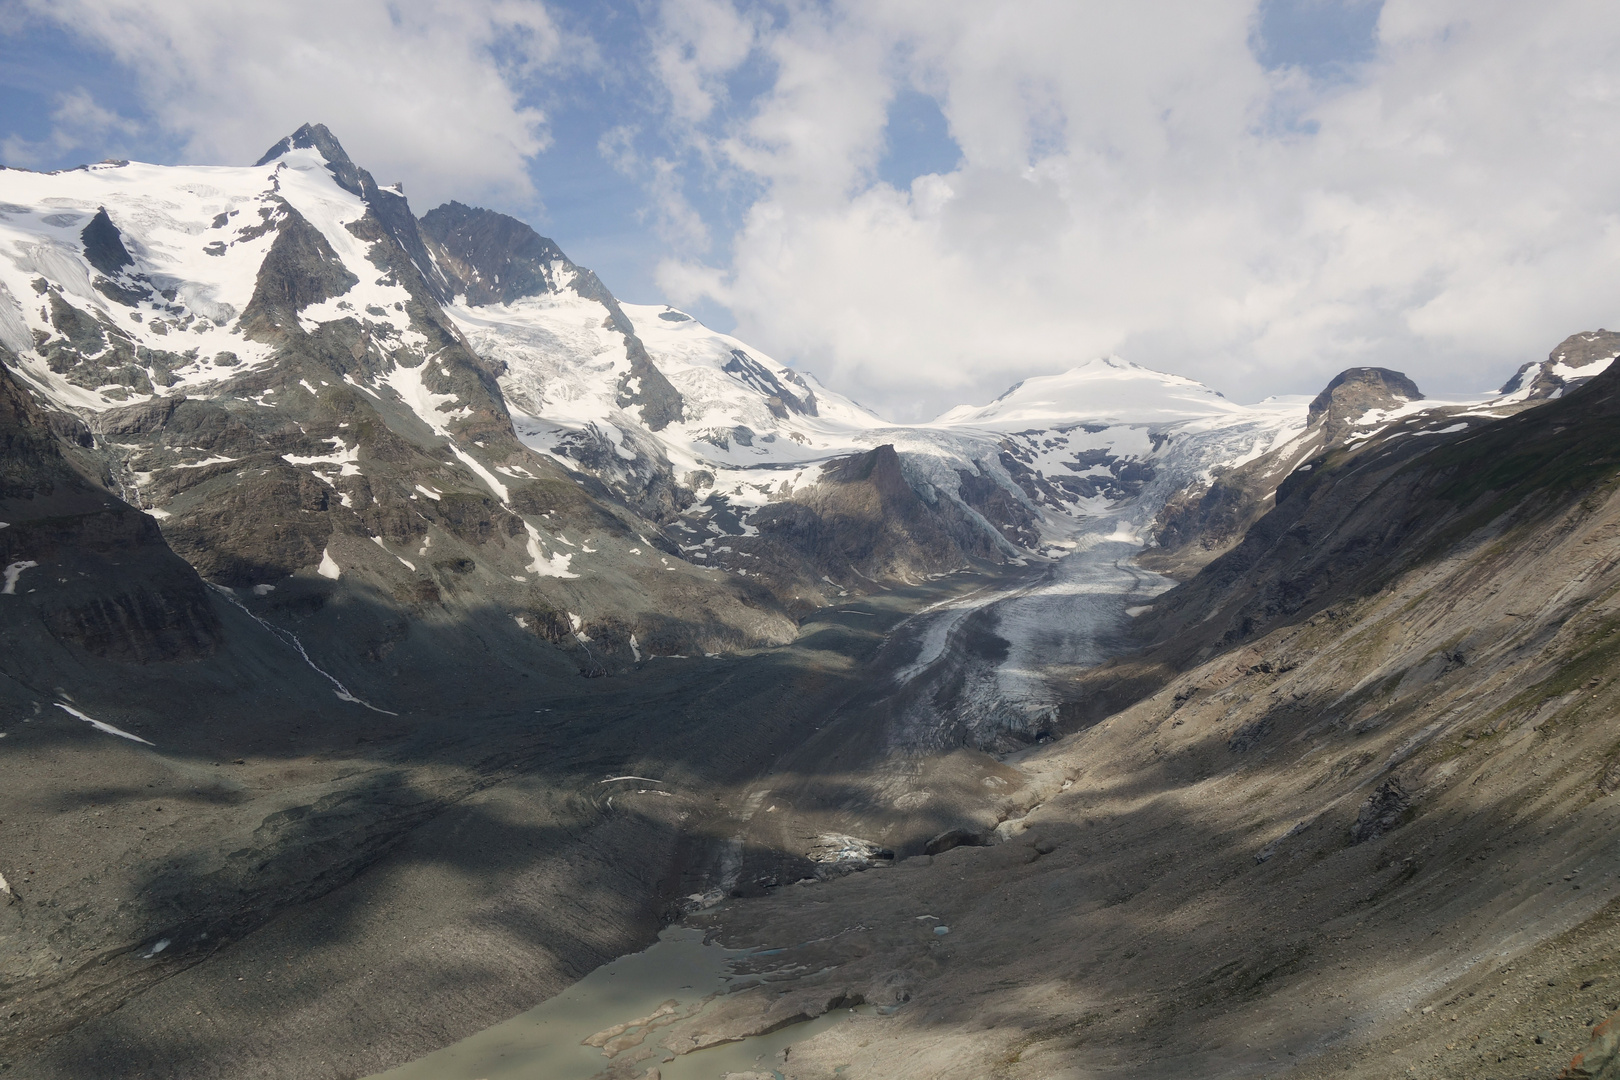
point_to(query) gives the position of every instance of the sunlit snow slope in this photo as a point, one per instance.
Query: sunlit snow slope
(751, 431)
(259, 358)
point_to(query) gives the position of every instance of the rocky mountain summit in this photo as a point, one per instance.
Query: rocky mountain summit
(1354, 393)
(1576, 359)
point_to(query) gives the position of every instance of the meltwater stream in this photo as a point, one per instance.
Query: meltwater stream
(624, 1000)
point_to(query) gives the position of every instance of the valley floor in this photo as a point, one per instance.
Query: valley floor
(364, 889)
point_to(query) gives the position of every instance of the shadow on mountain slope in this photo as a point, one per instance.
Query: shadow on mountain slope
(1362, 794)
(266, 796)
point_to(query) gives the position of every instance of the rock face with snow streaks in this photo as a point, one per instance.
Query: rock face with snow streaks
(260, 360)
(491, 258)
(1208, 518)
(1577, 358)
(1355, 392)
(80, 564)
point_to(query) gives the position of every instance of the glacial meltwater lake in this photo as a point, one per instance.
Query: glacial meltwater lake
(548, 1041)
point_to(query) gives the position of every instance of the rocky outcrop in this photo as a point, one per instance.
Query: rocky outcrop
(647, 390)
(861, 518)
(91, 351)
(104, 246)
(1203, 521)
(781, 401)
(1600, 1060)
(997, 506)
(1543, 380)
(1355, 392)
(490, 258)
(1386, 809)
(301, 269)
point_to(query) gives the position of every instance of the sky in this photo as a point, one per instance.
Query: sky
(924, 201)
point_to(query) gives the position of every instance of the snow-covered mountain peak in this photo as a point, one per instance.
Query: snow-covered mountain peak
(165, 320)
(314, 146)
(583, 372)
(1104, 389)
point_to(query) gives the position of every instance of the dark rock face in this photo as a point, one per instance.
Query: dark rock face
(863, 514)
(645, 386)
(647, 483)
(778, 398)
(1354, 392)
(301, 269)
(999, 507)
(862, 521)
(81, 329)
(1385, 810)
(105, 250)
(488, 257)
(262, 528)
(92, 352)
(166, 618)
(30, 463)
(1211, 518)
(1576, 351)
(104, 246)
(93, 571)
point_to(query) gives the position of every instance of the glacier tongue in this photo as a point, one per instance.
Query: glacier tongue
(1063, 474)
(985, 665)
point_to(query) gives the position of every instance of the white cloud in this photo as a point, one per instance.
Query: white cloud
(1134, 181)
(696, 44)
(431, 92)
(675, 220)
